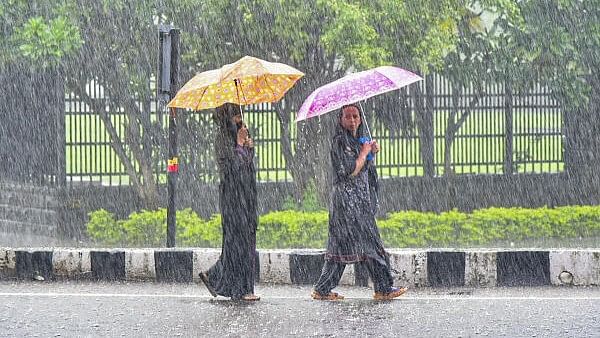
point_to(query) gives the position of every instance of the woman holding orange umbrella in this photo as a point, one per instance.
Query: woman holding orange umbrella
(247, 81)
(234, 273)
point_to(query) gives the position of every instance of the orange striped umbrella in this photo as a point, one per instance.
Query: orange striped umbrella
(247, 81)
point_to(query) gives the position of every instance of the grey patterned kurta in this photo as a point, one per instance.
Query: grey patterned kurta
(353, 233)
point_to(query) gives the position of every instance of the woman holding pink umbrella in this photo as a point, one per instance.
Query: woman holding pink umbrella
(353, 233)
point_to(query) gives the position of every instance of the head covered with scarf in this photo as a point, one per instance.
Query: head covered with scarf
(223, 117)
(353, 142)
(349, 139)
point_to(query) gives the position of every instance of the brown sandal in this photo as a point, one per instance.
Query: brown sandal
(250, 297)
(394, 292)
(330, 296)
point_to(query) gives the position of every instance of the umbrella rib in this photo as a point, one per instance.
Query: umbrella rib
(269, 85)
(201, 96)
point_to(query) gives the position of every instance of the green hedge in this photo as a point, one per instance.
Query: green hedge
(493, 225)
(302, 229)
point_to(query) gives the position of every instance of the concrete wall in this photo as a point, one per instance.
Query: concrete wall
(28, 210)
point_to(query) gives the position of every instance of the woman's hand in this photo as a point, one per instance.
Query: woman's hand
(366, 148)
(374, 147)
(249, 143)
(242, 136)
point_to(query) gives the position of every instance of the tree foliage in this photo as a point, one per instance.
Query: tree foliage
(114, 43)
(41, 33)
(558, 45)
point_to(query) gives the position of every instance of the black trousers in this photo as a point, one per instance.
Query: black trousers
(332, 273)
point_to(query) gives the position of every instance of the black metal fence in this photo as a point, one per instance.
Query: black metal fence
(505, 132)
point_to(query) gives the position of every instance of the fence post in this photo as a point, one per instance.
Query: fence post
(508, 126)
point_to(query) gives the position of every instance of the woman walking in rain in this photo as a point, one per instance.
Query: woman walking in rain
(234, 273)
(353, 233)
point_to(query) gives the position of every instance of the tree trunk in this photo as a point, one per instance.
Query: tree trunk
(448, 142)
(145, 186)
(284, 116)
(453, 125)
(425, 131)
(309, 160)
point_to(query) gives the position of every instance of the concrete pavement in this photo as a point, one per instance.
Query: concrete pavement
(98, 309)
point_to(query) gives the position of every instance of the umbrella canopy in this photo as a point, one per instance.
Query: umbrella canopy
(354, 87)
(247, 81)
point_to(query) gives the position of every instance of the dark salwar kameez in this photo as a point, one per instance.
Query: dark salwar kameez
(234, 273)
(353, 233)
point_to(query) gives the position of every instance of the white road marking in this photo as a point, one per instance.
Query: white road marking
(129, 295)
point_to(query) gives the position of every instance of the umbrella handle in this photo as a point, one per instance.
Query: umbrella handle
(364, 118)
(241, 112)
(238, 82)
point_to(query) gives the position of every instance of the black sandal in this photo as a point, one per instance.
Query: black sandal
(204, 278)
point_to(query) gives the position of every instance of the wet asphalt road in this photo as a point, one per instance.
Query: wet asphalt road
(86, 309)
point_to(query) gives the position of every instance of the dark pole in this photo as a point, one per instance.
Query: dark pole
(167, 86)
(173, 161)
(172, 169)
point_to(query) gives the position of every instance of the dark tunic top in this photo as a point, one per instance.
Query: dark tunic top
(353, 233)
(234, 273)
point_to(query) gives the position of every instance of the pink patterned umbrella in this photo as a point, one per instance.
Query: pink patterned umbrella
(355, 87)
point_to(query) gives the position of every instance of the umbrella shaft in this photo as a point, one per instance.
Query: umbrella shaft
(364, 118)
